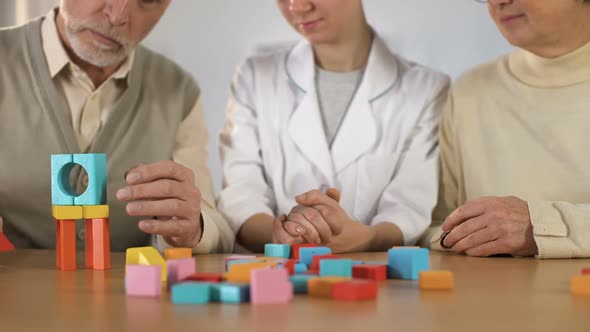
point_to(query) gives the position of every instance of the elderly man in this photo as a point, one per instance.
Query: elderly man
(514, 140)
(77, 81)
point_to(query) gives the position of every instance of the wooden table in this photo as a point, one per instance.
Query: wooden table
(491, 294)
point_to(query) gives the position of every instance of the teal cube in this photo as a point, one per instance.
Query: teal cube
(336, 268)
(234, 293)
(300, 268)
(215, 294)
(407, 263)
(95, 165)
(300, 283)
(306, 253)
(191, 293)
(62, 192)
(277, 250)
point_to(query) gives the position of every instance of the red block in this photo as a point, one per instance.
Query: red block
(586, 271)
(65, 245)
(368, 271)
(101, 243)
(89, 244)
(315, 261)
(5, 244)
(295, 249)
(290, 266)
(205, 277)
(354, 290)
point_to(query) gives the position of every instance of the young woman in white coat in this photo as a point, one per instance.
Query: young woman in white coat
(337, 109)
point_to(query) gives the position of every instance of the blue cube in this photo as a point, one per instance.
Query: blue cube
(95, 165)
(336, 268)
(62, 192)
(277, 250)
(406, 263)
(215, 293)
(306, 253)
(300, 283)
(191, 293)
(300, 268)
(234, 293)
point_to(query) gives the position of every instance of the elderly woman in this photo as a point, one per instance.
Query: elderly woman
(514, 140)
(339, 109)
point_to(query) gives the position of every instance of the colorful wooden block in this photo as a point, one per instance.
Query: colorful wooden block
(65, 245)
(176, 253)
(586, 271)
(370, 271)
(300, 283)
(336, 268)
(322, 286)
(306, 253)
(354, 290)
(241, 273)
(62, 192)
(242, 261)
(300, 268)
(95, 165)
(436, 280)
(270, 286)
(98, 244)
(191, 293)
(289, 265)
(95, 211)
(143, 280)
(146, 256)
(406, 263)
(205, 277)
(315, 261)
(277, 250)
(64, 212)
(5, 244)
(295, 249)
(580, 285)
(179, 269)
(237, 257)
(234, 293)
(215, 292)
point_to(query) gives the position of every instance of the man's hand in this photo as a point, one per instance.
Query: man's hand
(165, 190)
(489, 226)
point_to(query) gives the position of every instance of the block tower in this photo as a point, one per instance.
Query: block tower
(68, 206)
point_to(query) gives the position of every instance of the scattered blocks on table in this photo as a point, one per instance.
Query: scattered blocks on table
(5, 244)
(322, 286)
(191, 293)
(270, 286)
(179, 269)
(315, 261)
(354, 290)
(436, 280)
(143, 280)
(585, 271)
(62, 192)
(146, 256)
(233, 293)
(176, 253)
(95, 165)
(406, 263)
(241, 273)
(300, 283)
(370, 271)
(296, 247)
(306, 253)
(277, 250)
(205, 277)
(63, 212)
(336, 268)
(95, 211)
(580, 285)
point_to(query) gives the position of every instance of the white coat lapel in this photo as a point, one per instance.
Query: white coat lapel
(305, 124)
(359, 130)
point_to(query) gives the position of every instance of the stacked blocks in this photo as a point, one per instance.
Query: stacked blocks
(147, 256)
(436, 280)
(270, 286)
(277, 250)
(406, 263)
(67, 207)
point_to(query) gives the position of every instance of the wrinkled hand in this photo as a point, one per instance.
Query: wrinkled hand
(165, 190)
(490, 226)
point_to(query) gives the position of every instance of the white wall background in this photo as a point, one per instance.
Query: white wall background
(210, 37)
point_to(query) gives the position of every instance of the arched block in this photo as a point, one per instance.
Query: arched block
(62, 192)
(95, 165)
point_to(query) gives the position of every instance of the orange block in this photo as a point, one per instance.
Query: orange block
(101, 244)
(322, 286)
(580, 285)
(436, 280)
(5, 244)
(176, 253)
(66, 245)
(240, 273)
(89, 244)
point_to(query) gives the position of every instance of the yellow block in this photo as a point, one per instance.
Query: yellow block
(66, 212)
(322, 286)
(436, 280)
(240, 273)
(146, 256)
(176, 253)
(96, 211)
(580, 285)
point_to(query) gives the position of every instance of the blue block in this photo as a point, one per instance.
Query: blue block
(361, 262)
(191, 293)
(277, 250)
(62, 192)
(336, 268)
(300, 268)
(234, 293)
(300, 283)
(406, 263)
(95, 165)
(215, 294)
(240, 261)
(306, 253)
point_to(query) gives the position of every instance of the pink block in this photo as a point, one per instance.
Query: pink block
(270, 286)
(143, 280)
(180, 268)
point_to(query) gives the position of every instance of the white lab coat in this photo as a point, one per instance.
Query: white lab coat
(384, 158)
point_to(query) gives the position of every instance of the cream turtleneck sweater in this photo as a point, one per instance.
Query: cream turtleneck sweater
(520, 126)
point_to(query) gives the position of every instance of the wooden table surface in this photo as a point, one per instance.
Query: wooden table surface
(491, 294)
